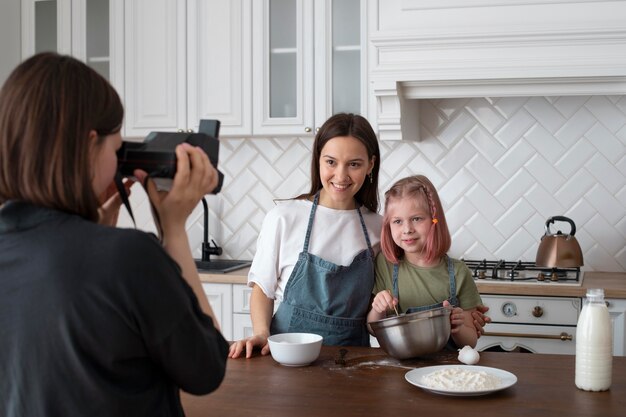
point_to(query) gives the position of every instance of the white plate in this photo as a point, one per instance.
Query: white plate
(415, 377)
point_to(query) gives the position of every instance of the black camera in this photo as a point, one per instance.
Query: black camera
(156, 154)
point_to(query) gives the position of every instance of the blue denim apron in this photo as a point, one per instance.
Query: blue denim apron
(327, 299)
(453, 300)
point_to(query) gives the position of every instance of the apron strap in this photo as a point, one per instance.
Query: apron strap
(309, 228)
(367, 236)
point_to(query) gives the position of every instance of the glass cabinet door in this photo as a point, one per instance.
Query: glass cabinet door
(97, 36)
(283, 54)
(46, 26)
(346, 56)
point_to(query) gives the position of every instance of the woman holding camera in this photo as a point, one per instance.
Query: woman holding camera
(94, 320)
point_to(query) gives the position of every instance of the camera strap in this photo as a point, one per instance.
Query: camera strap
(119, 184)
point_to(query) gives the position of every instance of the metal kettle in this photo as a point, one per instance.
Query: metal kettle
(559, 250)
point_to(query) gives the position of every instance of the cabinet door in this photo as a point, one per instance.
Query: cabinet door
(283, 67)
(617, 308)
(219, 64)
(46, 26)
(97, 37)
(155, 66)
(242, 326)
(340, 59)
(220, 298)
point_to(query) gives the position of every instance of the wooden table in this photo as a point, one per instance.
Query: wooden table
(372, 383)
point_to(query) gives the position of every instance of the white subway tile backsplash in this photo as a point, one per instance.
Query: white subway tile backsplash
(575, 128)
(559, 156)
(544, 173)
(515, 128)
(574, 188)
(515, 157)
(511, 219)
(575, 157)
(485, 114)
(456, 158)
(486, 144)
(605, 173)
(568, 106)
(543, 201)
(605, 204)
(544, 142)
(605, 234)
(514, 188)
(545, 113)
(606, 112)
(514, 245)
(605, 142)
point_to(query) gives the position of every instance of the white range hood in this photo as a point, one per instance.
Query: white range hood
(429, 49)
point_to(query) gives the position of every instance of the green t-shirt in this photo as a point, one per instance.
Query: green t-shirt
(418, 286)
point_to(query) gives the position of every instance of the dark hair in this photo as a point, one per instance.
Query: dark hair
(48, 106)
(348, 124)
(423, 191)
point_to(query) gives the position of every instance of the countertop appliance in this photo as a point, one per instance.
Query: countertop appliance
(537, 324)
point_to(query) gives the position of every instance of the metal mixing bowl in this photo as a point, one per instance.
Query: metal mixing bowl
(413, 334)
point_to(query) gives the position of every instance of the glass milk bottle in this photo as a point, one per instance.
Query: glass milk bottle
(594, 344)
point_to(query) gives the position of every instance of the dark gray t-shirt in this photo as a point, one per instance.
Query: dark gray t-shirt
(96, 321)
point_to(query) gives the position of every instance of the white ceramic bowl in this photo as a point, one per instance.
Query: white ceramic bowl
(295, 349)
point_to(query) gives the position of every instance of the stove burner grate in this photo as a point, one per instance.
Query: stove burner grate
(502, 270)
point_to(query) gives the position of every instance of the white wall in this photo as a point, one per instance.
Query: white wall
(10, 50)
(503, 166)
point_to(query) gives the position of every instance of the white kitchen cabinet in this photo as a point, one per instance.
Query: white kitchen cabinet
(90, 30)
(242, 323)
(221, 299)
(617, 309)
(187, 60)
(309, 63)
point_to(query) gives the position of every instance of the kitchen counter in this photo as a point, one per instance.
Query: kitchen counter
(614, 284)
(372, 383)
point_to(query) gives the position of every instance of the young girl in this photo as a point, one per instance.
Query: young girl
(413, 271)
(315, 253)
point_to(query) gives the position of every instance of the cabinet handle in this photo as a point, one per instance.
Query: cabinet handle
(317, 129)
(307, 129)
(563, 336)
(180, 131)
(189, 130)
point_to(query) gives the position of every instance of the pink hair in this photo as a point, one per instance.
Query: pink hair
(420, 188)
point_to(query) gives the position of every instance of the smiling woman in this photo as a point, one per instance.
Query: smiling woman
(315, 253)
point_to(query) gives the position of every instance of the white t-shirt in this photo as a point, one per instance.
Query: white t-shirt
(337, 237)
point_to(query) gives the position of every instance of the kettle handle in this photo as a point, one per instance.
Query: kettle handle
(561, 219)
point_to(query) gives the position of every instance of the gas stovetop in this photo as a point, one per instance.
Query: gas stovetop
(518, 272)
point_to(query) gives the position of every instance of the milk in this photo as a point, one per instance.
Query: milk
(594, 344)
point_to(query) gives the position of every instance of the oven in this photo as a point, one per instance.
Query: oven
(528, 323)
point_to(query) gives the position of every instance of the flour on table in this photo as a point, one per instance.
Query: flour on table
(458, 379)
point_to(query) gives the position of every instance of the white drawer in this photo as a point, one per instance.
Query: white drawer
(241, 298)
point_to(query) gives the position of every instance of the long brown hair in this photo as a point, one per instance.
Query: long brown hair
(423, 191)
(48, 106)
(348, 124)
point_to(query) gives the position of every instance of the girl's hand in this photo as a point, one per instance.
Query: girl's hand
(457, 318)
(384, 301)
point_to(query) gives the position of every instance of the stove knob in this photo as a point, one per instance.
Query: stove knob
(537, 311)
(554, 277)
(482, 274)
(541, 276)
